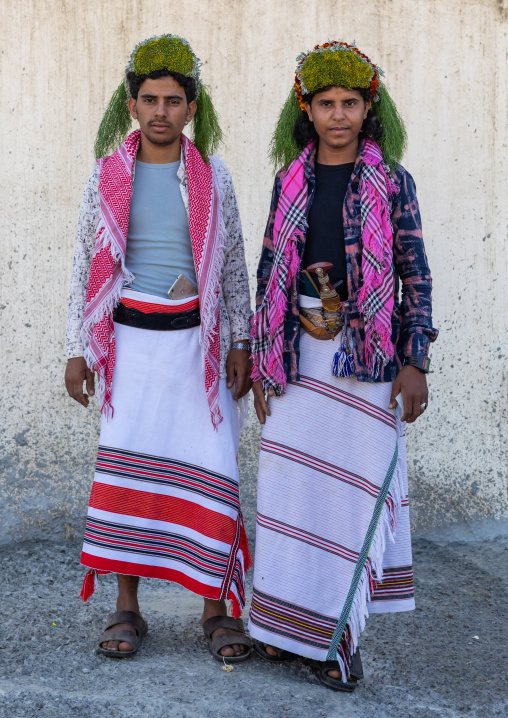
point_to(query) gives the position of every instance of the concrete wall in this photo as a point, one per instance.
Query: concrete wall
(445, 63)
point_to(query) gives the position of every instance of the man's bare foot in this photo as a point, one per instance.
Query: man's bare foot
(127, 601)
(218, 608)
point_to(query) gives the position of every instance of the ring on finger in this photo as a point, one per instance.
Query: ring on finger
(423, 406)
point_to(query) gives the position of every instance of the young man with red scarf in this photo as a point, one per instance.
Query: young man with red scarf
(159, 309)
(343, 237)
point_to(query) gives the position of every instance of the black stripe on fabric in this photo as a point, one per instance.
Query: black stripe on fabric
(320, 470)
(153, 532)
(135, 468)
(121, 464)
(165, 460)
(390, 597)
(179, 559)
(308, 541)
(167, 482)
(171, 544)
(294, 607)
(292, 636)
(398, 569)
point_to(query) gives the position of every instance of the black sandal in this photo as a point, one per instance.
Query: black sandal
(281, 657)
(355, 672)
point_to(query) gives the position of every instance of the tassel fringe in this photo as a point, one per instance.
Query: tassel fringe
(343, 364)
(90, 583)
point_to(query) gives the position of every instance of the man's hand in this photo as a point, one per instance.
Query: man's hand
(76, 372)
(260, 403)
(239, 364)
(412, 383)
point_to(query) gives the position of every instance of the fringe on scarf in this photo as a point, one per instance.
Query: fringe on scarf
(104, 311)
(208, 332)
(278, 300)
(379, 349)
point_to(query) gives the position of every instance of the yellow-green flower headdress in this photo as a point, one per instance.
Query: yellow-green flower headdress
(337, 64)
(165, 52)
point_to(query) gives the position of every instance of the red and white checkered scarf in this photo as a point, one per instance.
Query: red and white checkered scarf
(108, 273)
(376, 296)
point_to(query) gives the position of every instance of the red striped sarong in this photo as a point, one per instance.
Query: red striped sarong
(165, 499)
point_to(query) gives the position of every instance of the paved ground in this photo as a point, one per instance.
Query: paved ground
(445, 659)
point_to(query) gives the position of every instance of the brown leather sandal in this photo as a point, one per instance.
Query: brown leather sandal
(139, 625)
(281, 657)
(228, 639)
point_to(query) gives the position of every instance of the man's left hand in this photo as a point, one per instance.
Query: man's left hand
(412, 384)
(239, 365)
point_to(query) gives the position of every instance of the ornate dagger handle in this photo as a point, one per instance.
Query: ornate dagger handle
(326, 288)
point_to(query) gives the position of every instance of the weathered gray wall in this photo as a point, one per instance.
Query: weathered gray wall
(445, 63)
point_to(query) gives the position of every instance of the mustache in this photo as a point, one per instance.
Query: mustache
(158, 122)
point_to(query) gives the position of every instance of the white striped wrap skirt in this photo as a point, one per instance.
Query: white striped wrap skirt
(165, 499)
(332, 536)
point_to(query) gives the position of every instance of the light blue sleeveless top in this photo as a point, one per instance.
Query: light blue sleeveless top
(158, 241)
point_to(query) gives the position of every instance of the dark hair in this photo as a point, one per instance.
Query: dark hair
(188, 83)
(305, 132)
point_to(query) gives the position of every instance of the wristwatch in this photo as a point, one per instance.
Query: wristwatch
(245, 345)
(420, 362)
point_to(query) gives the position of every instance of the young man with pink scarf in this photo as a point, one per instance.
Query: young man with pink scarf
(343, 238)
(159, 309)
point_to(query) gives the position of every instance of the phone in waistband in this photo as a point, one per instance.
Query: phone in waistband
(182, 288)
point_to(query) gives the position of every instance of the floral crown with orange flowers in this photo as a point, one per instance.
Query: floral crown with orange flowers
(337, 64)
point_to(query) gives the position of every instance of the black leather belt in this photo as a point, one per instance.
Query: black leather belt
(157, 321)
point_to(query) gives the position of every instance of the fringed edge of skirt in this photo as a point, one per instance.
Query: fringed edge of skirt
(238, 567)
(238, 602)
(385, 530)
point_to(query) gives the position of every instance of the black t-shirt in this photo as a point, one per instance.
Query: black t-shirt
(325, 234)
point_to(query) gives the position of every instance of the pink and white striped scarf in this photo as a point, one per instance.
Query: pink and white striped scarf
(108, 273)
(267, 334)
(376, 297)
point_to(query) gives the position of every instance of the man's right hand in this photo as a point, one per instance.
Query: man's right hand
(260, 403)
(76, 373)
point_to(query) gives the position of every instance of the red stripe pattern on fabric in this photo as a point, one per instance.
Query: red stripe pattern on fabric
(290, 620)
(319, 465)
(128, 568)
(168, 472)
(397, 583)
(306, 537)
(157, 507)
(149, 308)
(159, 517)
(347, 398)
